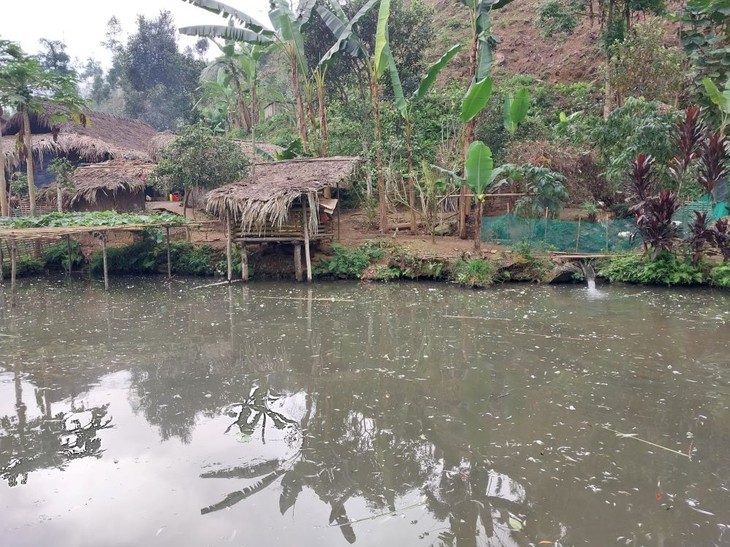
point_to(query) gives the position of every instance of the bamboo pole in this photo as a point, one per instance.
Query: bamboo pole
(298, 262)
(577, 237)
(229, 242)
(244, 263)
(106, 267)
(307, 254)
(13, 265)
(2, 274)
(169, 259)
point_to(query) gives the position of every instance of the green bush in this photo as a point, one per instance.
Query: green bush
(28, 266)
(136, 259)
(720, 275)
(349, 263)
(414, 267)
(56, 256)
(189, 259)
(473, 273)
(386, 273)
(666, 269)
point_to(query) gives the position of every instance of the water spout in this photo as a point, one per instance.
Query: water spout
(590, 276)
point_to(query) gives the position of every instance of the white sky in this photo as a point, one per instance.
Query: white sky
(81, 24)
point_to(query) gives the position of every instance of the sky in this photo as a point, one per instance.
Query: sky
(81, 24)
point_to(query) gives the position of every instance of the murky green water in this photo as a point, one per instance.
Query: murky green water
(371, 414)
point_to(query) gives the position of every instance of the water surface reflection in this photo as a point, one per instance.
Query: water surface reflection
(369, 414)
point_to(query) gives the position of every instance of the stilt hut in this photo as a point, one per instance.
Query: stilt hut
(113, 185)
(282, 202)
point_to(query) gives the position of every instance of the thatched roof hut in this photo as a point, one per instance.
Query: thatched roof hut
(267, 196)
(104, 137)
(115, 184)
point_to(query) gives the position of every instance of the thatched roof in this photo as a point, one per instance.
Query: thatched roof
(162, 140)
(269, 193)
(110, 177)
(104, 137)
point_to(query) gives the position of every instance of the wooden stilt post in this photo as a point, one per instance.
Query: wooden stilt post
(106, 267)
(298, 261)
(169, 260)
(229, 243)
(338, 210)
(68, 254)
(244, 263)
(2, 274)
(577, 237)
(307, 254)
(13, 264)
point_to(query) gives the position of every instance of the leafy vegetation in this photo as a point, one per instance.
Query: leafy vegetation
(666, 269)
(474, 273)
(95, 219)
(349, 263)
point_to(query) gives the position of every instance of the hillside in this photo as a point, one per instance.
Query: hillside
(522, 50)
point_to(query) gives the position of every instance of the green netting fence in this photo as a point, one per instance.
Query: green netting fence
(585, 237)
(561, 235)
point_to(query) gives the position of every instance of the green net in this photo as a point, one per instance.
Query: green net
(586, 237)
(561, 235)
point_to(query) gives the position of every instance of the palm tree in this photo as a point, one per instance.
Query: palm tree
(28, 88)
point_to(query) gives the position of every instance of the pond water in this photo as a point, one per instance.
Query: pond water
(401, 414)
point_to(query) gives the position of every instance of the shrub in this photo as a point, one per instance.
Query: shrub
(189, 259)
(720, 275)
(665, 269)
(56, 256)
(473, 273)
(136, 259)
(349, 263)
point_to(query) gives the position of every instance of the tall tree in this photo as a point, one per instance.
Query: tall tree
(158, 81)
(54, 57)
(27, 88)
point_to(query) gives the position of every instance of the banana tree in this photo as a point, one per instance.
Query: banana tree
(480, 63)
(481, 178)
(405, 108)
(377, 66)
(287, 34)
(347, 43)
(28, 88)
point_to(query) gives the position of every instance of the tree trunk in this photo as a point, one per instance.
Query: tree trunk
(254, 121)
(243, 116)
(28, 143)
(322, 118)
(411, 186)
(382, 196)
(4, 208)
(301, 119)
(478, 226)
(59, 197)
(607, 97)
(464, 201)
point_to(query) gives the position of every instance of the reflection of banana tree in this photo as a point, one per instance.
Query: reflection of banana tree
(251, 414)
(256, 409)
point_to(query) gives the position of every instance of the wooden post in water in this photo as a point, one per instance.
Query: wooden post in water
(244, 263)
(169, 260)
(103, 255)
(2, 274)
(68, 253)
(338, 211)
(298, 261)
(307, 255)
(13, 264)
(229, 243)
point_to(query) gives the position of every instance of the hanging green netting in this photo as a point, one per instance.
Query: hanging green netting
(561, 235)
(685, 214)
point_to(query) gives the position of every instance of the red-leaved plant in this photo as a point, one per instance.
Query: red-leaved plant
(654, 222)
(687, 138)
(701, 236)
(712, 162)
(641, 180)
(721, 237)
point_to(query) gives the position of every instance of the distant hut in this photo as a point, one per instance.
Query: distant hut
(104, 138)
(282, 202)
(117, 185)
